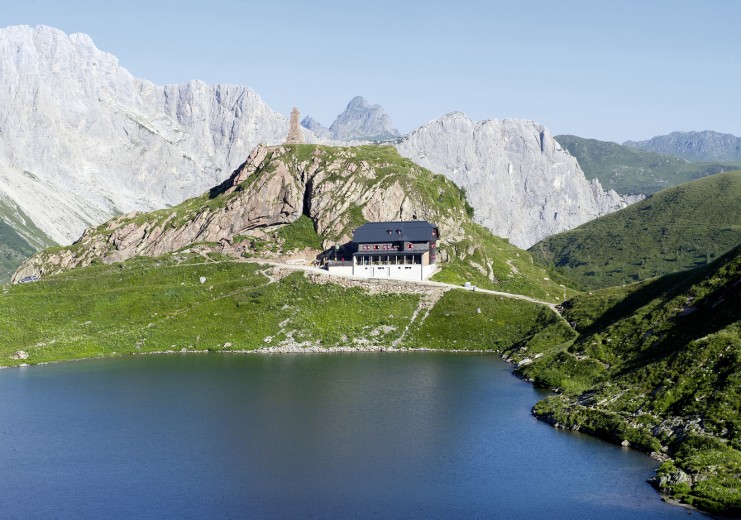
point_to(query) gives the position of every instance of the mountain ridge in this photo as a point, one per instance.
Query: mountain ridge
(117, 143)
(630, 170)
(520, 181)
(675, 229)
(707, 145)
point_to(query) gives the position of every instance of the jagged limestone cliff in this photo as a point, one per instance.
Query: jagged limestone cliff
(337, 189)
(362, 121)
(82, 140)
(520, 181)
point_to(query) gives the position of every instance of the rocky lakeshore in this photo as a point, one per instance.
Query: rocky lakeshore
(315, 349)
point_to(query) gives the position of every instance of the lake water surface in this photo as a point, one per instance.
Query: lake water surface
(325, 436)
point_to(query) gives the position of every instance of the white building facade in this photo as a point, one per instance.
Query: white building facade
(393, 250)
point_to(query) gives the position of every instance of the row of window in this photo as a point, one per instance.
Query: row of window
(398, 267)
(377, 247)
(388, 260)
(387, 247)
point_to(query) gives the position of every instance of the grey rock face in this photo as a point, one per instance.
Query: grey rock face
(521, 183)
(694, 146)
(81, 139)
(363, 122)
(316, 128)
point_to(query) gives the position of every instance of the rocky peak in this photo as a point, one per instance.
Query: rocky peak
(358, 103)
(315, 126)
(81, 139)
(307, 197)
(362, 122)
(521, 183)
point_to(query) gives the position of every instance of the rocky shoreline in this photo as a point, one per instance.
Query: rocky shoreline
(283, 349)
(314, 349)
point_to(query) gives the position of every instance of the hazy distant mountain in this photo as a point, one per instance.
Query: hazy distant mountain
(694, 146)
(360, 121)
(632, 170)
(363, 121)
(315, 126)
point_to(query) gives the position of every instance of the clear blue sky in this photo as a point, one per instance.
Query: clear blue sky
(627, 69)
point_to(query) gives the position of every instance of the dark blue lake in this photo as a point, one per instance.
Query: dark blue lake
(325, 436)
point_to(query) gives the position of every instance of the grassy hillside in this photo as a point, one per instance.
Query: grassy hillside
(679, 228)
(656, 364)
(13, 250)
(339, 188)
(630, 170)
(19, 239)
(156, 304)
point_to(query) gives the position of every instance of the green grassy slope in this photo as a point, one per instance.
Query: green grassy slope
(19, 239)
(156, 304)
(630, 170)
(676, 229)
(13, 250)
(658, 364)
(491, 262)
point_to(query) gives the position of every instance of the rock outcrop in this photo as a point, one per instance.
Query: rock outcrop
(521, 183)
(337, 188)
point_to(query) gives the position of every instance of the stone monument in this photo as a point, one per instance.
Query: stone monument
(295, 136)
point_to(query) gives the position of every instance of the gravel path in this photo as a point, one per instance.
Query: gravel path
(429, 283)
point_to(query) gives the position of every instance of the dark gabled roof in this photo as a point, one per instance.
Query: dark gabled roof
(407, 231)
